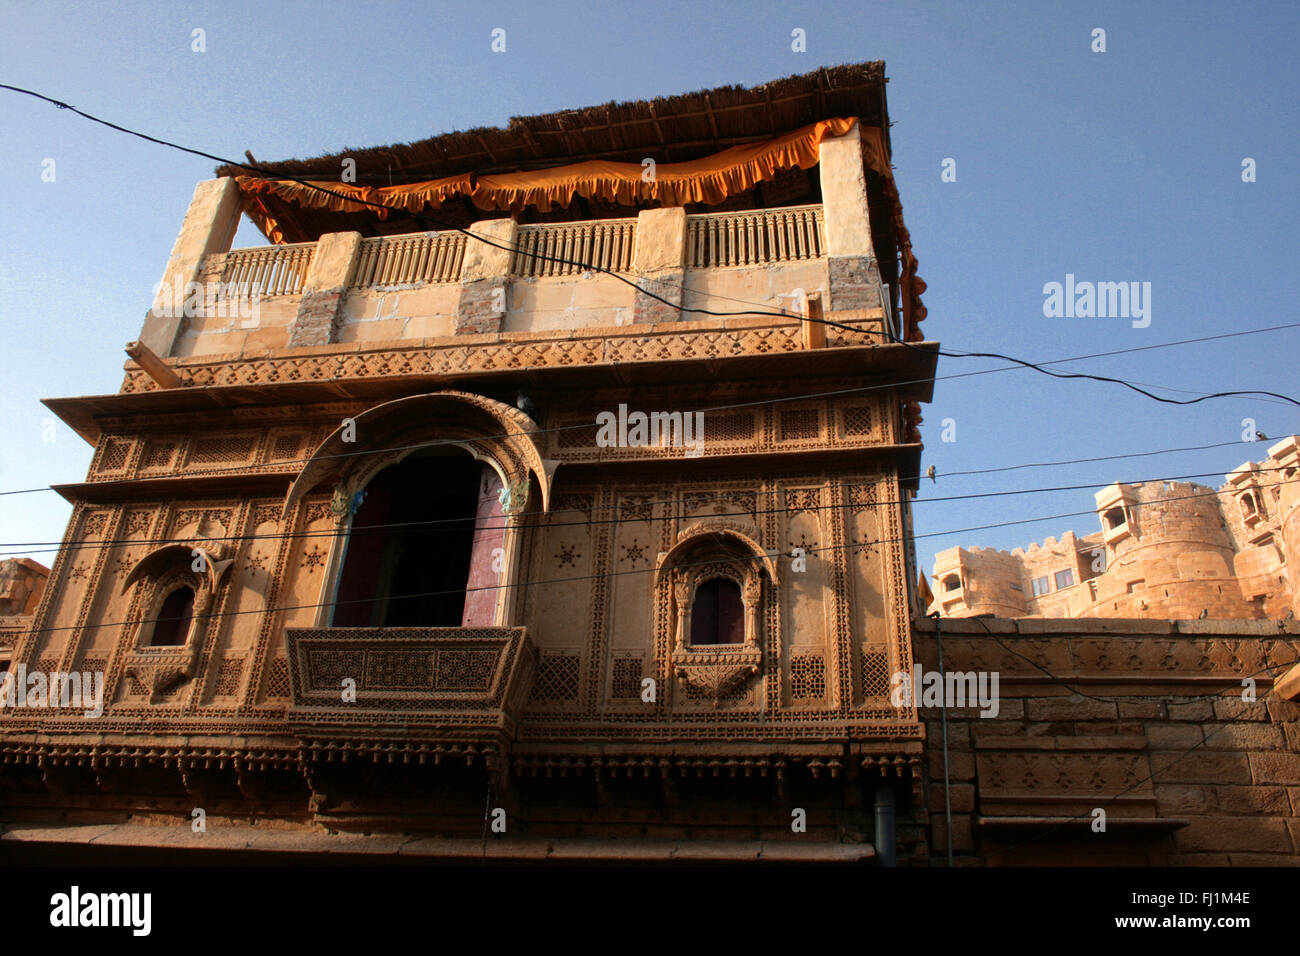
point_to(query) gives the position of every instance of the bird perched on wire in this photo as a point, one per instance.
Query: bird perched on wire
(929, 473)
(1260, 436)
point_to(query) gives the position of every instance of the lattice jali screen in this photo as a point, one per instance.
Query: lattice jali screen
(228, 676)
(464, 670)
(114, 455)
(158, 454)
(388, 669)
(875, 671)
(277, 681)
(557, 678)
(222, 448)
(135, 687)
(286, 446)
(625, 681)
(798, 423)
(94, 665)
(729, 428)
(736, 694)
(807, 677)
(577, 434)
(857, 420)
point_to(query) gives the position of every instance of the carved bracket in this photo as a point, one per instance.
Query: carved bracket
(717, 671)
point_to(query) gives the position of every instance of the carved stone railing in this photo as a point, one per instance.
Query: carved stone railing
(267, 271)
(754, 237)
(607, 244)
(428, 258)
(457, 678)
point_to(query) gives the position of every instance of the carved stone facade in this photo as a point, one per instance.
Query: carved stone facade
(1167, 550)
(365, 575)
(241, 488)
(1116, 743)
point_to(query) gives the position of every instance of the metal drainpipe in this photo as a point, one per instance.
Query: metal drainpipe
(886, 831)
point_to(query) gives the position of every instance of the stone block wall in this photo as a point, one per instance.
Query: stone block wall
(1142, 719)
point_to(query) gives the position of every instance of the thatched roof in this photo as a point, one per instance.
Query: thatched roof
(670, 129)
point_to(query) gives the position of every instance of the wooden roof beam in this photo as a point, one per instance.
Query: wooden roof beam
(486, 148)
(713, 122)
(154, 367)
(659, 130)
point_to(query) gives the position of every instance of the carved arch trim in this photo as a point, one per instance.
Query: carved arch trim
(489, 430)
(719, 532)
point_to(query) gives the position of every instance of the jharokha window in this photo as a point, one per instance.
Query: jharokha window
(713, 578)
(172, 626)
(423, 544)
(718, 614)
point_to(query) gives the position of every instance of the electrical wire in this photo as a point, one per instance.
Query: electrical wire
(422, 219)
(525, 585)
(55, 546)
(243, 469)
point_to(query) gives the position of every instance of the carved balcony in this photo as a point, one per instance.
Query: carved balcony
(409, 683)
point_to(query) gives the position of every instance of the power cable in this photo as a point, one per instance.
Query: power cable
(524, 585)
(243, 470)
(423, 218)
(54, 546)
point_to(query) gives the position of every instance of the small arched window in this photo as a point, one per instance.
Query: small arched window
(1115, 518)
(717, 614)
(952, 583)
(172, 626)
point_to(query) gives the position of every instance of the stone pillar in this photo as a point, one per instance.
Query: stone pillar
(485, 277)
(324, 289)
(660, 264)
(851, 261)
(209, 227)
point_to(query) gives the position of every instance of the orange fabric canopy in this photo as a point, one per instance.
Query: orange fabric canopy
(708, 180)
(412, 196)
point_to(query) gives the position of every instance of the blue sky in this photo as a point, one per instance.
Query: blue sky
(1115, 166)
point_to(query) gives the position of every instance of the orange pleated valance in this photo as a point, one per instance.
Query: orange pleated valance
(708, 180)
